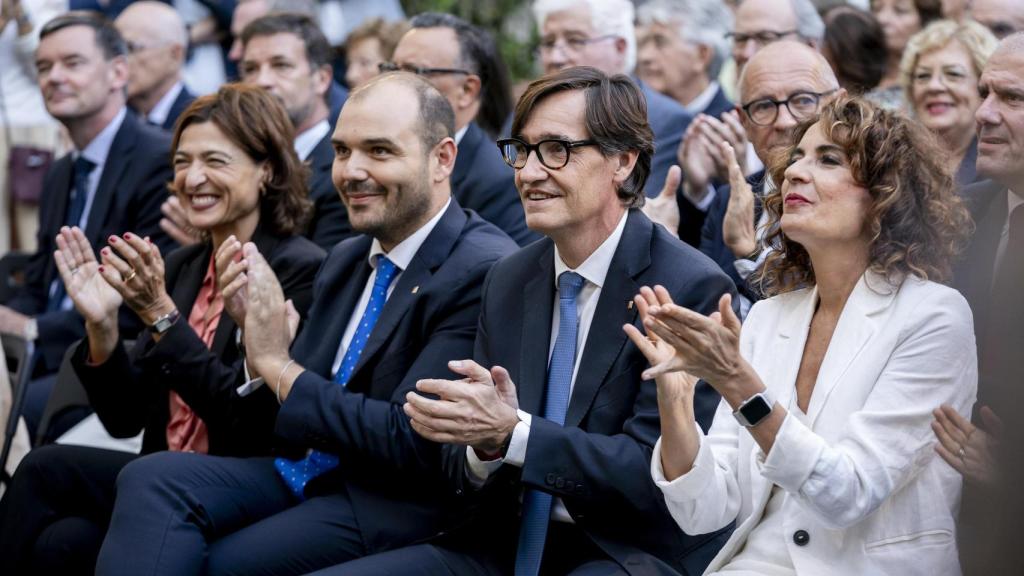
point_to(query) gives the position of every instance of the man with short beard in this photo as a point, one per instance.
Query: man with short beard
(390, 307)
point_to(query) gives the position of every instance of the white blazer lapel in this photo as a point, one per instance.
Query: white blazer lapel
(857, 324)
(788, 347)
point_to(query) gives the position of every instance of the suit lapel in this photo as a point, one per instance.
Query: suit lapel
(855, 328)
(788, 348)
(114, 167)
(464, 159)
(606, 337)
(431, 254)
(189, 281)
(539, 294)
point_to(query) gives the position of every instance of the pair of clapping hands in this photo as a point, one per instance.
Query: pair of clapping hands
(480, 410)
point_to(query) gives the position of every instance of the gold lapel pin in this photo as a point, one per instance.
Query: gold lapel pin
(629, 305)
(415, 289)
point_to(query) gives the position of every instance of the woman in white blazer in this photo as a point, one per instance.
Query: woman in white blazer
(834, 377)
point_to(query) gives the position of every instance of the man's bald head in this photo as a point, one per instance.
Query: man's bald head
(777, 73)
(157, 40)
(436, 118)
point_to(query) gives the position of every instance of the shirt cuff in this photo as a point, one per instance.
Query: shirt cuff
(251, 384)
(516, 453)
(478, 471)
(705, 200)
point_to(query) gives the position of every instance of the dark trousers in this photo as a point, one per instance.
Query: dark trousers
(54, 516)
(567, 551)
(179, 513)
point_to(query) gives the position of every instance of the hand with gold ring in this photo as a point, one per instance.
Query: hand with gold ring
(134, 267)
(969, 449)
(94, 298)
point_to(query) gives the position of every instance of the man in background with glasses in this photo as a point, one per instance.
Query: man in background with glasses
(551, 428)
(463, 63)
(157, 41)
(600, 33)
(761, 22)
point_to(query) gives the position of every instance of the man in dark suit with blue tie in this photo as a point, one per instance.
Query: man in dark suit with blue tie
(552, 428)
(390, 307)
(113, 182)
(462, 61)
(600, 33)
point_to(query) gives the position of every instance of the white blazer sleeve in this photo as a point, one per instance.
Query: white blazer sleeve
(889, 440)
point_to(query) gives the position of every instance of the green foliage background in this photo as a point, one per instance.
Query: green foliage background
(509, 20)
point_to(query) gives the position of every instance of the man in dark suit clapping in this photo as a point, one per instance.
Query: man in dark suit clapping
(112, 182)
(390, 307)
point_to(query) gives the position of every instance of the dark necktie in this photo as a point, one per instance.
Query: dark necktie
(537, 504)
(80, 171)
(298, 473)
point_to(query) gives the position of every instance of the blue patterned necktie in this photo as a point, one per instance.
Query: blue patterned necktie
(80, 171)
(297, 473)
(533, 529)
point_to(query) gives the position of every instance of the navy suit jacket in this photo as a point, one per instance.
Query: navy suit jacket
(599, 462)
(131, 189)
(668, 120)
(336, 97)
(712, 242)
(482, 181)
(391, 474)
(329, 224)
(719, 105)
(180, 103)
(129, 391)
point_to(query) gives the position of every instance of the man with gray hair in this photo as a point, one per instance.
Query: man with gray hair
(761, 22)
(681, 48)
(157, 42)
(600, 33)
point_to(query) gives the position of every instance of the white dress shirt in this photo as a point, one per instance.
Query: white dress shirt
(158, 115)
(306, 142)
(401, 256)
(593, 270)
(701, 102)
(96, 152)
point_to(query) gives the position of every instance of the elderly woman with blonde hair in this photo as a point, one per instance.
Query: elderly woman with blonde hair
(821, 451)
(939, 74)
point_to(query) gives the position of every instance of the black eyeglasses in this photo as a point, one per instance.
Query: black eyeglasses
(801, 105)
(571, 44)
(552, 152)
(419, 70)
(761, 36)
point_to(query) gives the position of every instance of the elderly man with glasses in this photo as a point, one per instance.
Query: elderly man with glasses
(463, 63)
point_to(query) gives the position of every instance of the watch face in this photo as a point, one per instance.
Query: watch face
(756, 410)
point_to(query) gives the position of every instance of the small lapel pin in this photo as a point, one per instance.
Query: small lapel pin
(629, 305)
(415, 289)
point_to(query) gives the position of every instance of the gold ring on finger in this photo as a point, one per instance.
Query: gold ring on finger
(962, 453)
(130, 275)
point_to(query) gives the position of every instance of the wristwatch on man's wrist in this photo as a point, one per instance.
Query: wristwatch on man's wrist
(164, 323)
(754, 409)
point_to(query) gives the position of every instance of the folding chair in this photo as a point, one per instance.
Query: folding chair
(20, 356)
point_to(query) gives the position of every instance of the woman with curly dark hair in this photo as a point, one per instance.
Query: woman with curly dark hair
(821, 451)
(239, 180)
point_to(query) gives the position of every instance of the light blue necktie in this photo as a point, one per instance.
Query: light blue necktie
(297, 473)
(537, 504)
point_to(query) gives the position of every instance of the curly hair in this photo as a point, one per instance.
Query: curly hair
(916, 223)
(256, 122)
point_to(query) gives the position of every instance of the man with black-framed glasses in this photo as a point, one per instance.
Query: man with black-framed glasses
(463, 63)
(763, 22)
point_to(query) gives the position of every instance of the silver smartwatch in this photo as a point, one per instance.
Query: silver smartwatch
(754, 409)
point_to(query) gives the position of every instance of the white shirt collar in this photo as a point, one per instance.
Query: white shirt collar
(402, 254)
(158, 115)
(307, 141)
(595, 268)
(701, 102)
(98, 149)
(459, 134)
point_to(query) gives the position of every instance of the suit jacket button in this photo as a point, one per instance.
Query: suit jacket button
(579, 489)
(458, 491)
(550, 479)
(569, 486)
(801, 537)
(560, 483)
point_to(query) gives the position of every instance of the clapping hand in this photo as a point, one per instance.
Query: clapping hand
(673, 382)
(270, 320)
(231, 278)
(663, 209)
(738, 231)
(175, 222)
(133, 266)
(95, 299)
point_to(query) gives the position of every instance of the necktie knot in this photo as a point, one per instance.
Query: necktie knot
(569, 285)
(83, 167)
(386, 272)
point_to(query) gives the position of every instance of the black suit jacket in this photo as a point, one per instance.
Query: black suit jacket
(127, 199)
(329, 224)
(180, 103)
(392, 475)
(712, 242)
(336, 97)
(482, 181)
(599, 462)
(668, 120)
(129, 392)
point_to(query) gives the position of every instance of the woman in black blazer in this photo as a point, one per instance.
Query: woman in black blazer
(238, 179)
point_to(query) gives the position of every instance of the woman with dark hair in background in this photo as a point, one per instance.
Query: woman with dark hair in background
(821, 451)
(900, 19)
(239, 180)
(854, 46)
